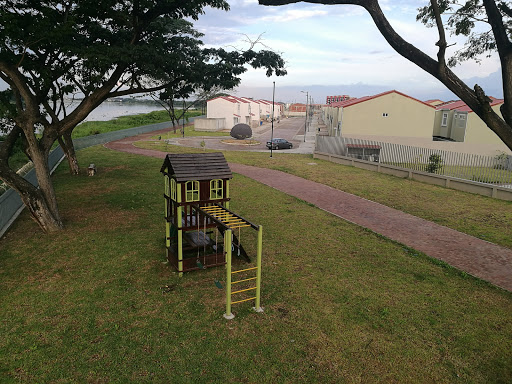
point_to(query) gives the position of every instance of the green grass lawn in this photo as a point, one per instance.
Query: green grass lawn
(342, 304)
(491, 175)
(483, 217)
(189, 132)
(89, 128)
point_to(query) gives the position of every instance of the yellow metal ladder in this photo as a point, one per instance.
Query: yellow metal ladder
(229, 277)
(232, 221)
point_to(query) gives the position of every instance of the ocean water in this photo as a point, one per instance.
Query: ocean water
(111, 110)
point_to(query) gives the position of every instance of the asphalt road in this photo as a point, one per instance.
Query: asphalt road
(291, 129)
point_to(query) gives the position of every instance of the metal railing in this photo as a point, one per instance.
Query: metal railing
(495, 170)
(10, 202)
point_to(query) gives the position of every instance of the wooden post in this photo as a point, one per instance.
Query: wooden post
(167, 194)
(179, 224)
(227, 194)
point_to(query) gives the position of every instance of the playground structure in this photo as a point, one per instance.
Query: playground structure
(201, 231)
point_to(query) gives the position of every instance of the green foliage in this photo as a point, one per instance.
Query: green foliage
(435, 163)
(51, 51)
(17, 156)
(123, 122)
(501, 161)
(469, 19)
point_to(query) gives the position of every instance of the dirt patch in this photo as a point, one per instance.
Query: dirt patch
(240, 142)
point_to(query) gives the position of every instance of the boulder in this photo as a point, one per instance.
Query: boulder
(241, 131)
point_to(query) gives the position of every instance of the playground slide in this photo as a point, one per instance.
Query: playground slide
(239, 250)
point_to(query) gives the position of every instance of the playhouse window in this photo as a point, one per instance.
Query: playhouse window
(192, 190)
(216, 189)
(173, 189)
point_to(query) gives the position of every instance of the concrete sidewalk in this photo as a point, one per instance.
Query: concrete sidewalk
(476, 257)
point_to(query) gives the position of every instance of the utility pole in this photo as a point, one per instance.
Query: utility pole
(272, 130)
(306, 120)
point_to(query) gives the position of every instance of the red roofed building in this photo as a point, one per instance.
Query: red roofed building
(455, 121)
(389, 114)
(230, 108)
(266, 109)
(434, 102)
(297, 107)
(335, 99)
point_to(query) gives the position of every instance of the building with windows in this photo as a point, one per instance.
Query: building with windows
(336, 99)
(254, 107)
(232, 109)
(393, 117)
(297, 108)
(389, 114)
(455, 121)
(224, 112)
(266, 109)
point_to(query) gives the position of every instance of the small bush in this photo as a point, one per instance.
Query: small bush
(435, 163)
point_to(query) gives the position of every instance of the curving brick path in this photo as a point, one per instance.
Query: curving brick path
(477, 257)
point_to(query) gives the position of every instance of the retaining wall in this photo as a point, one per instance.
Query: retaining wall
(489, 190)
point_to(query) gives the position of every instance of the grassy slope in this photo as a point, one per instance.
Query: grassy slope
(341, 304)
(480, 216)
(95, 127)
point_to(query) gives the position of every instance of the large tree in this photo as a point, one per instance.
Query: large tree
(460, 18)
(54, 51)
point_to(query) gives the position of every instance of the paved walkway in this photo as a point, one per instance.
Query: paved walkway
(474, 256)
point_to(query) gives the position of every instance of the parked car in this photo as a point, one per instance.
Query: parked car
(279, 144)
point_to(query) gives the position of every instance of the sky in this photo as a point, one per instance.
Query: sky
(337, 50)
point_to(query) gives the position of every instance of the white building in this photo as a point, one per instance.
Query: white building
(232, 109)
(224, 112)
(266, 109)
(254, 111)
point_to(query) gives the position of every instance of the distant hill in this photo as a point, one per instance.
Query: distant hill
(292, 94)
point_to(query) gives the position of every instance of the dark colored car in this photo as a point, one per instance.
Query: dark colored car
(279, 144)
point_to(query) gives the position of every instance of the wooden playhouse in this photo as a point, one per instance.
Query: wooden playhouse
(197, 210)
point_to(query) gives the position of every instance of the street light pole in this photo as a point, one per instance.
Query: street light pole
(272, 131)
(306, 120)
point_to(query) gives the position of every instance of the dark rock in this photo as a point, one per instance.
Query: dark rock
(241, 131)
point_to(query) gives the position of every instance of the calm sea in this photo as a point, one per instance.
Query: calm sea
(111, 110)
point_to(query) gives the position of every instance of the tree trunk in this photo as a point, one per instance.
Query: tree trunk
(44, 212)
(40, 212)
(68, 147)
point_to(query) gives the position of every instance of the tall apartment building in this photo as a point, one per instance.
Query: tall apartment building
(335, 99)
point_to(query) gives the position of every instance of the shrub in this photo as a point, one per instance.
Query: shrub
(435, 163)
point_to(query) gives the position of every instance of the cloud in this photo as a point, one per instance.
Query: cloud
(292, 15)
(336, 44)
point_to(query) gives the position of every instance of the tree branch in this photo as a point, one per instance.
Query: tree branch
(501, 126)
(136, 90)
(505, 51)
(442, 37)
(8, 143)
(19, 83)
